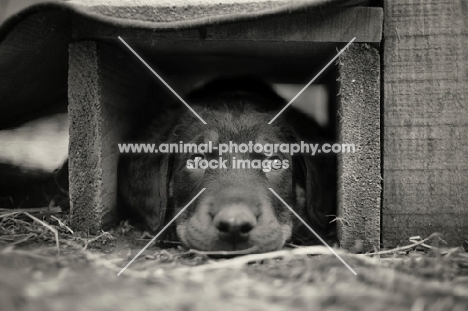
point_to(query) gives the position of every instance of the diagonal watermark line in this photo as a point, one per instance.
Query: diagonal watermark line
(311, 81)
(162, 230)
(312, 230)
(162, 80)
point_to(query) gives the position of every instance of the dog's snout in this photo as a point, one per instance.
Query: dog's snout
(235, 222)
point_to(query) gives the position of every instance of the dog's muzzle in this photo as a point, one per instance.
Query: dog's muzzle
(231, 219)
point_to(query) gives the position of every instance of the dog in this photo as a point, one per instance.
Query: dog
(237, 211)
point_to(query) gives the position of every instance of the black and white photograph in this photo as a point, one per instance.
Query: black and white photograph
(236, 155)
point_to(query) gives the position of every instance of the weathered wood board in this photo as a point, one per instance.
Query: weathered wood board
(104, 102)
(425, 120)
(332, 25)
(359, 173)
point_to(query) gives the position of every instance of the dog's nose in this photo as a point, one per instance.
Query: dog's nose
(234, 222)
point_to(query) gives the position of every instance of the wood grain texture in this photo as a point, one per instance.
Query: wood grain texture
(332, 25)
(85, 149)
(359, 173)
(337, 25)
(108, 94)
(425, 120)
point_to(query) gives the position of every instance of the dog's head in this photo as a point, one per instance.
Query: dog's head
(237, 210)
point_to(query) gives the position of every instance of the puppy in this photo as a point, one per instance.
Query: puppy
(236, 211)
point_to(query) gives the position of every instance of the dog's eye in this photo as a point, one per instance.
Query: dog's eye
(197, 157)
(276, 162)
(194, 160)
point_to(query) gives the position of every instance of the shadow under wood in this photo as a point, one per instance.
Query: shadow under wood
(26, 188)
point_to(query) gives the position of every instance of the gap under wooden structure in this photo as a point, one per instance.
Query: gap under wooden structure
(108, 88)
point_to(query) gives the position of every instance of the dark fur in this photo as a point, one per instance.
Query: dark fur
(156, 186)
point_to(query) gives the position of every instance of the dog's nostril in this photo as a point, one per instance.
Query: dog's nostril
(223, 227)
(246, 228)
(234, 228)
(235, 222)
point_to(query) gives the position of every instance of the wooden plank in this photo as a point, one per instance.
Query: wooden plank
(107, 96)
(425, 120)
(333, 25)
(359, 173)
(85, 161)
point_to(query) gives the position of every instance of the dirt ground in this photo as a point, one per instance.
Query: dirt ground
(83, 276)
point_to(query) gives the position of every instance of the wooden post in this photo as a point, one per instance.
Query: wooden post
(425, 120)
(85, 149)
(106, 96)
(359, 178)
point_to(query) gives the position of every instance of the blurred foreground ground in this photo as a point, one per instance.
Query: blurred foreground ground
(84, 275)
